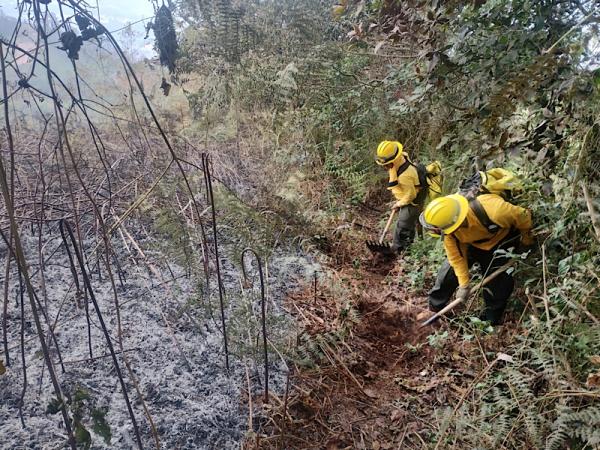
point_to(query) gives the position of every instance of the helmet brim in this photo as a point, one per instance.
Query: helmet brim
(429, 229)
(398, 156)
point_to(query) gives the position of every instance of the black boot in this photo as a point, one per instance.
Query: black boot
(493, 316)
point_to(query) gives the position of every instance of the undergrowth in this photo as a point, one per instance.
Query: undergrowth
(486, 84)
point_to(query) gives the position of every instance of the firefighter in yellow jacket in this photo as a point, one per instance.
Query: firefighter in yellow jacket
(472, 230)
(406, 185)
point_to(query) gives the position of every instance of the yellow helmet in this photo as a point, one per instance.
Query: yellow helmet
(445, 214)
(388, 152)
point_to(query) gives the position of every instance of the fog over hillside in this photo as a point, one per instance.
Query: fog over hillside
(95, 63)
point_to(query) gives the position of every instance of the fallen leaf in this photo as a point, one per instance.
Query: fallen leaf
(376, 445)
(334, 444)
(505, 357)
(372, 374)
(503, 139)
(595, 360)
(397, 415)
(371, 393)
(593, 380)
(443, 141)
(378, 46)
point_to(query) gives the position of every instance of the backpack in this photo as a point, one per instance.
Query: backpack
(435, 179)
(494, 181)
(430, 179)
(497, 181)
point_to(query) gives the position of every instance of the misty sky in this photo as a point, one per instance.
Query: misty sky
(114, 14)
(111, 11)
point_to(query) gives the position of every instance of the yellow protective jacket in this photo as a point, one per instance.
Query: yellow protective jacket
(405, 186)
(506, 215)
(499, 181)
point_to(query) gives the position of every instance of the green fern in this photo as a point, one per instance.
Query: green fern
(350, 171)
(582, 424)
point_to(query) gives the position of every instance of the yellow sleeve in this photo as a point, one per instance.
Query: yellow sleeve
(507, 215)
(404, 193)
(455, 252)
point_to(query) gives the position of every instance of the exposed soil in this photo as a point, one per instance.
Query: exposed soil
(380, 383)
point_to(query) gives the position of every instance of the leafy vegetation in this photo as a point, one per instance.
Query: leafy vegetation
(509, 83)
(289, 100)
(86, 414)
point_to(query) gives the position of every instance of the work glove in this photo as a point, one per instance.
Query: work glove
(527, 239)
(397, 205)
(526, 242)
(463, 293)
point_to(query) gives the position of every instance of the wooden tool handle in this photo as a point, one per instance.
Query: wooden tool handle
(387, 225)
(456, 302)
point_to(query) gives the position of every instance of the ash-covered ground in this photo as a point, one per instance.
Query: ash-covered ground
(171, 337)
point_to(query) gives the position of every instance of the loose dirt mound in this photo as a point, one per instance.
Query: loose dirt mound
(366, 374)
(375, 382)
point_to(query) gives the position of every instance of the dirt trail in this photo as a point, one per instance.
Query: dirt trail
(379, 381)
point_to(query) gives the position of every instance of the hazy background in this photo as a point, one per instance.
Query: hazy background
(114, 14)
(98, 63)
